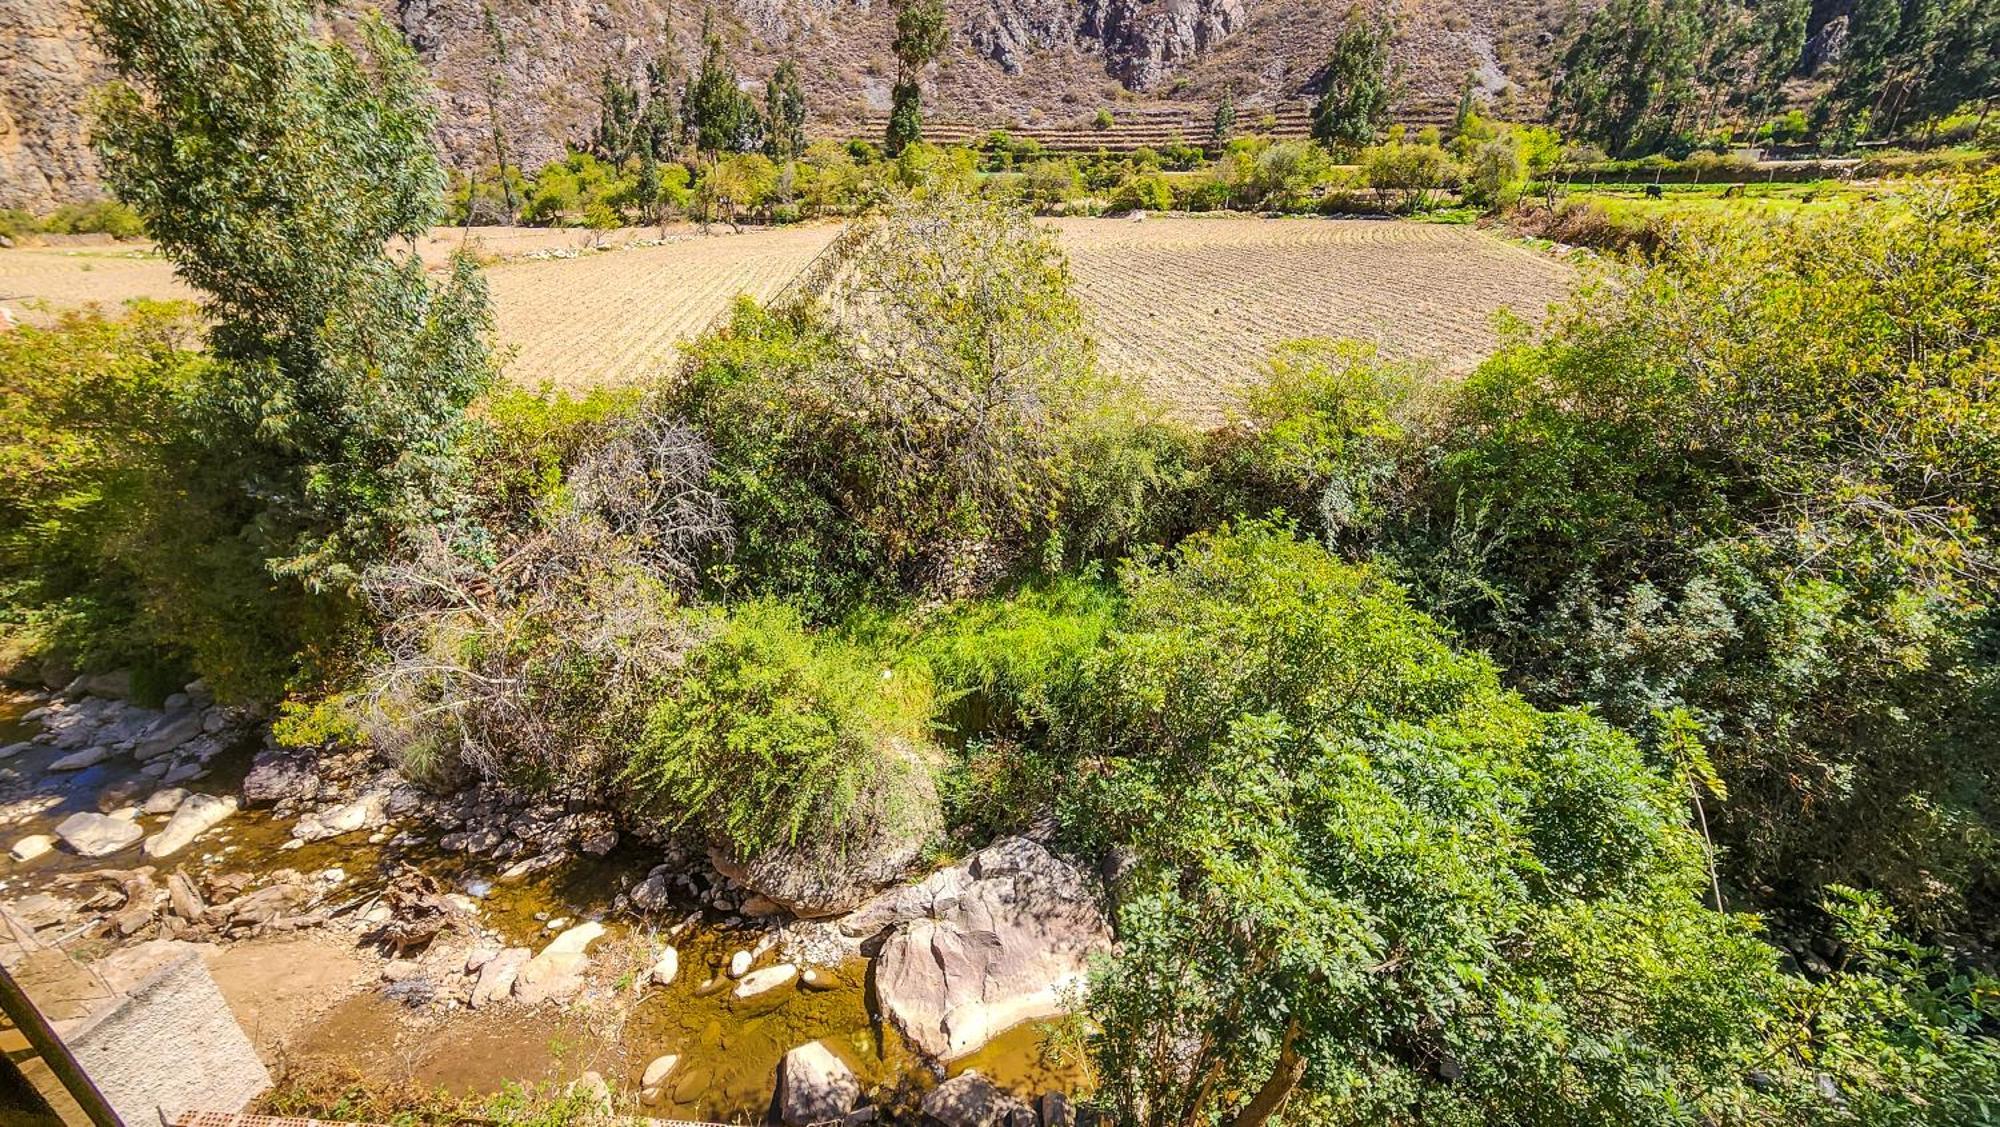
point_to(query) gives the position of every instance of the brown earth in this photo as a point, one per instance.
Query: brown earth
(1193, 305)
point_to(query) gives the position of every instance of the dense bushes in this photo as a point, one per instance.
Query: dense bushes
(1759, 483)
(771, 736)
(930, 423)
(86, 409)
(1370, 882)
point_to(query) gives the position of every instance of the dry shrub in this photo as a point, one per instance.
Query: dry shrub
(534, 661)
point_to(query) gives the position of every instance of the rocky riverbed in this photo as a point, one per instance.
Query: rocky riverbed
(470, 938)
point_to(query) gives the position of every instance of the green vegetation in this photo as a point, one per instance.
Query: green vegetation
(1605, 738)
(921, 33)
(1359, 85)
(98, 217)
(273, 168)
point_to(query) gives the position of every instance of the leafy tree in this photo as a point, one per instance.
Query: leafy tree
(89, 408)
(273, 167)
(1642, 73)
(1360, 87)
(496, 66)
(1408, 175)
(934, 420)
(1759, 483)
(617, 136)
(785, 114)
(1224, 125)
(1467, 107)
(660, 127)
(1370, 885)
(921, 34)
(1906, 60)
(718, 116)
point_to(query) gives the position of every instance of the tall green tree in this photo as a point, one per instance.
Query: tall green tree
(921, 34)
(496, 67)
(785, 113)
(715, 112)
(274, 167)
(1643, 74)
(1224, 125)
(1360, 87)
(617, 135)
(1902, 61)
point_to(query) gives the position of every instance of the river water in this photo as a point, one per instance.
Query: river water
(729, 1048)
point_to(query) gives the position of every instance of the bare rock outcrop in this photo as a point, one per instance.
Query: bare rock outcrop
(979, 948)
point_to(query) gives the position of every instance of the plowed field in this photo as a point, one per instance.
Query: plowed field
(1188, 305)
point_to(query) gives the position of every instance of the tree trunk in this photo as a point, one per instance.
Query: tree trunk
(1285, 1076)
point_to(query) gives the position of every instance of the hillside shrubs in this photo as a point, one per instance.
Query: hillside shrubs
(1758, 483)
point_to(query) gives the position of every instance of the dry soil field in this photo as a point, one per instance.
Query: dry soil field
(1188, 305)
(1192, 305)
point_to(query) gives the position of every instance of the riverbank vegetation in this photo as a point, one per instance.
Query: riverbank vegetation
(1605, 738)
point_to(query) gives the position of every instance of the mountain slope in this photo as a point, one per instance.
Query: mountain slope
(1011, 62)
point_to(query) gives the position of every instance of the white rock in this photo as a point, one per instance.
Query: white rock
(739, 964)
(77, 761)
(496, 975)
(94, 835)
(557, 972)
(665, 968)
(814, 1086)
(33, 846)
(1008, 945)
(14, 749)
(164, 801)
(770, 978)
(658, 1071)
(197, 814)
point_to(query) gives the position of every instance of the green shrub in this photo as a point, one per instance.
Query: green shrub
(87, 409)
(1142, 192)
(1320, 436)
(925, 426)
(771, 735)
(1759, 482)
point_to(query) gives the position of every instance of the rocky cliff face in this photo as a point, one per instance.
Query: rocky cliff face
(46, 67)
(1011, 63)
(1141, 42)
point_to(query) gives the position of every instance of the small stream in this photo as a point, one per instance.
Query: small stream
(729, 1048)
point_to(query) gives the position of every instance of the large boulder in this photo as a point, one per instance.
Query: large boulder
(196, 815)
(1001, 941)
(971, 1100)
(166, 734)
(815, 1086)
(96, 835)
(557, 973)
(497, 974)
(278, 775)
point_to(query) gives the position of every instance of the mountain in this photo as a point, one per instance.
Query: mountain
(1025, 64)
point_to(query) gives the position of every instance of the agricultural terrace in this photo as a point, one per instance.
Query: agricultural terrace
(1188, 305)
